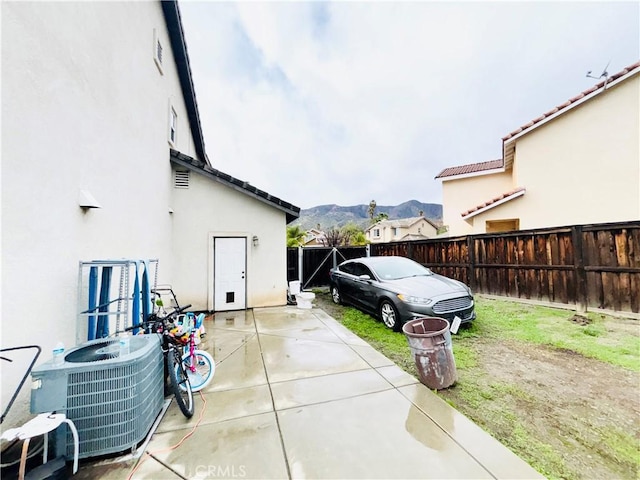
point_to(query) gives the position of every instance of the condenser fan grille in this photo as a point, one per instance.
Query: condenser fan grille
(102, 350)
(99, 351)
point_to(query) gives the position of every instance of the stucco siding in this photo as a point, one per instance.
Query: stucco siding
(463, 194)
(83, 107)
(581, 167)
(506, 211)
(584, 166)
(208, 209)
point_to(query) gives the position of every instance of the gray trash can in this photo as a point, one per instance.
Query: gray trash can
(430, 343)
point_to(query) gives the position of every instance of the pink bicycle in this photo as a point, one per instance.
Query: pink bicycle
(198, 364)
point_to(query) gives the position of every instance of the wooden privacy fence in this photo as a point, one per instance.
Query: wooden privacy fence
(591, 266)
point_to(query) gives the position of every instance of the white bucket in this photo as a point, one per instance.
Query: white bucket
(304, 299)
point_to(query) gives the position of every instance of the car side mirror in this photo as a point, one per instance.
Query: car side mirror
(364, 277)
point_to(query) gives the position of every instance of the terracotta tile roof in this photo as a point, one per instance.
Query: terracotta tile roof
(572, 100)
(470, 168)
(504, 196)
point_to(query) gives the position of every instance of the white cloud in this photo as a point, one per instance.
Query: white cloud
(344, 102)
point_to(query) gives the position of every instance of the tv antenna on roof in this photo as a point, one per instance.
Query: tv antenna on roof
(604, 75)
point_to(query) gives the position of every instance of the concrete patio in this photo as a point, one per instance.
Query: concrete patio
(297, 395)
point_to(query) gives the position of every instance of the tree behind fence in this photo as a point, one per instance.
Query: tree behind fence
(591, 266)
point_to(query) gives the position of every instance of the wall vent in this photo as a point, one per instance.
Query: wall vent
(158, 50)
(181, 179)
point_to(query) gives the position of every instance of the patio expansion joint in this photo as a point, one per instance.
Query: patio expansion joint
(242, 344)
(230, 329)
(218, 422)
(168, 467)
(435, 422)
(278, 382)
(334, 400)
(273, 406)
(337, 341)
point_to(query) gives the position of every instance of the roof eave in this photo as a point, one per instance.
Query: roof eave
(473, 174)
(508, 142)
(292, 212)
(495, 204)
(181, 57)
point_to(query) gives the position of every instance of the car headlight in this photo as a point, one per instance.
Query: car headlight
(412, 299)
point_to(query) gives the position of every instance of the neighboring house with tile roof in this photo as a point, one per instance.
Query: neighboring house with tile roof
(314, 237)
(99, 110)
(578, 163)
(401, 229)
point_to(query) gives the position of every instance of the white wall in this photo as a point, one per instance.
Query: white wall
(209, 209)
(83, 107)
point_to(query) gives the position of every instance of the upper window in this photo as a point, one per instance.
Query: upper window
(376, 232)
(173, 126)
(395, 231)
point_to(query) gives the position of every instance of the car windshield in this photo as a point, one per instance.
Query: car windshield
(400, 268)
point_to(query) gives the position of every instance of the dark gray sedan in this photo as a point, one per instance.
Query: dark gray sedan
(397, 290)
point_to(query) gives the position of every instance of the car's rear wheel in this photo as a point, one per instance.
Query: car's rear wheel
(389, 315)
(335, 295)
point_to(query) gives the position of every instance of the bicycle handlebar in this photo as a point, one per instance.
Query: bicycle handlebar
(157, 319)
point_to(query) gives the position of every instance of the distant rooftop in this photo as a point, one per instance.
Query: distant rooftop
(470, 168)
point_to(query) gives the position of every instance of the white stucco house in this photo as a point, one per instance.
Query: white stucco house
(577, 163)
(401, 230)
(314, 237)
(103, 157)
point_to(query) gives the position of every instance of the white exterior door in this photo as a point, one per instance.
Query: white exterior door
(229, 273)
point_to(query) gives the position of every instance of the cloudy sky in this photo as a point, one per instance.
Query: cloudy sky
(345, 102)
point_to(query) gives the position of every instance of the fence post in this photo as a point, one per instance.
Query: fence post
(471, 269)
(334, 257)
(368, 250)
(300, 266)
(578, 263)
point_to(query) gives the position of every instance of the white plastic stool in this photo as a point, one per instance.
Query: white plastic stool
(42, 425)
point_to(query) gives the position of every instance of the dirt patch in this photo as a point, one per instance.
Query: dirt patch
(572, 402)
(580, 320)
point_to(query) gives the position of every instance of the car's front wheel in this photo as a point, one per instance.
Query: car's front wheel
(335, 295)
(389, 315)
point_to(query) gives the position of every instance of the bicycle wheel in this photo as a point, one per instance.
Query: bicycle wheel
(204, 371)
(179, 381)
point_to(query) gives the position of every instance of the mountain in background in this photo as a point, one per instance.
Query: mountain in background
(329, 216)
